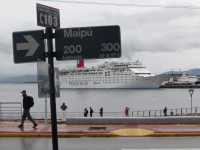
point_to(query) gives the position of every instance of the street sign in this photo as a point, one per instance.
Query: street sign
(88, 43)
(43, 79)
(27, 46)
(48, 16)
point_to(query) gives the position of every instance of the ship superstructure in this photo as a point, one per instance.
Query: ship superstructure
(110, 75)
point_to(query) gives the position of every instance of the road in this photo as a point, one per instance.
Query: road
(95, 143)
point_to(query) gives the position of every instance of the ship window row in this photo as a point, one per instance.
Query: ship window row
(113, 81)
(96, 81)
(97, 77)
(82, 74)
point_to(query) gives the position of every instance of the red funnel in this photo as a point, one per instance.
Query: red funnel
(80, 63)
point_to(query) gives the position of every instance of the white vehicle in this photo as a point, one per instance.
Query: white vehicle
(121, 75)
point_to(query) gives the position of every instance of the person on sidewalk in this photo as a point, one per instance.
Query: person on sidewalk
(126, 111)
(85, 111)
(91, 111)
(101, 112)
(165, 111)
(26, 111)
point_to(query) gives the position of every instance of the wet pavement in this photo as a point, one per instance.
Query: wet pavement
(10, 129)
(101, 143)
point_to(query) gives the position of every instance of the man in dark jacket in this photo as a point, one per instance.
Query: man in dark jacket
(26, 112)
(101, 111)
(91, 111)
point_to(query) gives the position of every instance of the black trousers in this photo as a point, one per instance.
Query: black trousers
(26, 113)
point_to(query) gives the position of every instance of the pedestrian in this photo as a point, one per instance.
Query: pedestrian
(126, 111)
(63, 106)
(85, 112)
(165, 111)
(91, 111)
(101, 112)
(26, 111)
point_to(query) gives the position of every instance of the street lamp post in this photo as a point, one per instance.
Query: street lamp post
(191, 92)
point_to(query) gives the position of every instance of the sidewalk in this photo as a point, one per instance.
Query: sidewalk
(10, 129)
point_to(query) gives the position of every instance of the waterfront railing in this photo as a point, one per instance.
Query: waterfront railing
(13, 110)
(41, 115)
(170, 112)
(10, 110)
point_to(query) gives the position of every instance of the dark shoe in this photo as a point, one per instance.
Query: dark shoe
(20, 126)
(35, 125)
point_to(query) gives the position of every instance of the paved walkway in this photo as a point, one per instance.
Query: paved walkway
(10, 129)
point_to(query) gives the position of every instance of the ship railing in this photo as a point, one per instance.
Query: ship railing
(170, 112)
(10, 110)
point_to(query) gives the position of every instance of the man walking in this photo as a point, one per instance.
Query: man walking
(26, 111)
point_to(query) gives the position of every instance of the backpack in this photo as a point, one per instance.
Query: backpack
(30, 101)
(92, 111)
(126, 111)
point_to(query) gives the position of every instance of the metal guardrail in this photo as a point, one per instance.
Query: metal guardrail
(10, 110)
(41, 115)
(170, 112)
(13, 110)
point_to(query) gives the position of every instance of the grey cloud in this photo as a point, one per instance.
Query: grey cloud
(156, 30)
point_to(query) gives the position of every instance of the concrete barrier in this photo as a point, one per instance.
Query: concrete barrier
(135, 120)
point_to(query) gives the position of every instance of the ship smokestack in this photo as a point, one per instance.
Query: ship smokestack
(80, 63)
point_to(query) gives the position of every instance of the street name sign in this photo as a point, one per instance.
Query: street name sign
(88, 43)
(27, 46)
(48, 16)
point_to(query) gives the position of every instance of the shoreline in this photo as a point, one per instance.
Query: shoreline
(179, 86)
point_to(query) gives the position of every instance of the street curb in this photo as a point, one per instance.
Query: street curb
(173, 134)
(94, 135)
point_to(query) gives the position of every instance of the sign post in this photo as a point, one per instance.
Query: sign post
(52, 89)
(49, 17)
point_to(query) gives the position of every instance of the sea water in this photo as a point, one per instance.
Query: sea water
(112, 100)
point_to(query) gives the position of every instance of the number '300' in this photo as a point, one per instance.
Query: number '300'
(110, 46)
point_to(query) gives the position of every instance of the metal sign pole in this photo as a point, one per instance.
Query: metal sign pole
(45, 111)
(52, 89)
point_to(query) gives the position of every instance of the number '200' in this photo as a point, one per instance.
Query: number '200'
(72, 49)
(110, 46)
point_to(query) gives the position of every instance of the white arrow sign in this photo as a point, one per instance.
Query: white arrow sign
(32, 45)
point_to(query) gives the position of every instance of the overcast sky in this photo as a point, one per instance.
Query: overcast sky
(161, 38)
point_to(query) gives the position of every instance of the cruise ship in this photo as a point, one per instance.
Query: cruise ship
(110, 75)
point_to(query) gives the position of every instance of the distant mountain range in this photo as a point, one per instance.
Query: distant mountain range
(20, 79)
(189, 72)
(33, 78)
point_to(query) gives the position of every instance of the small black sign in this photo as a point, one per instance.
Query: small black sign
(88, 43)
(48, 16)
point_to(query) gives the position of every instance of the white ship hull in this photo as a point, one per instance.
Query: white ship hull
(114, 75)
(139, 83)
